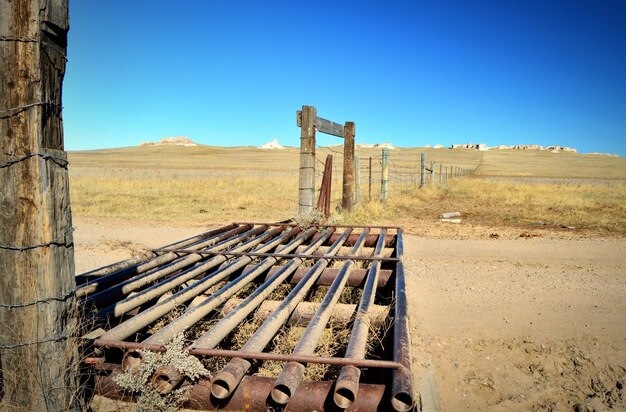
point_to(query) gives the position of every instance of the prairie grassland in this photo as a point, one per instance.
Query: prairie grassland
(201, 185)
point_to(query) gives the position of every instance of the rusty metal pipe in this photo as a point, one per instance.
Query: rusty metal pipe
(129, 285)
(136, 323)
(341, 318)
(114, 267)
(220, 330)
(402, 391)
(226, 380)
(124, 306)
(288, 380)
(253, 392)
(133, 348)
(212, 302)
(346, 389)
(166, 378)
(357, 276)
(105, 281)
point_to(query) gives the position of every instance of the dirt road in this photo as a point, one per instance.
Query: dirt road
(523, 324)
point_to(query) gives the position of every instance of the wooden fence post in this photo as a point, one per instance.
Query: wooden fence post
(423, 170)
(38, 350)
(432, 173)
(369, 189)
(347, 198)
(306, 189)
(385, 175)
(440, 174)
(357, 180)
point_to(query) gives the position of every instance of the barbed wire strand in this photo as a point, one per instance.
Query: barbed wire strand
(59, 161)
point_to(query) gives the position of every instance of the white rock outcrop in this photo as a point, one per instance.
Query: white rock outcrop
(171, 141)
(273, 144)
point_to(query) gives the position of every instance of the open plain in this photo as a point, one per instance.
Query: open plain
(521, 306)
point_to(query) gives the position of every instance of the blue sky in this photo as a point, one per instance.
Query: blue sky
(408, 72)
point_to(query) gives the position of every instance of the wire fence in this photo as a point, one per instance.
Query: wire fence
(379, 177)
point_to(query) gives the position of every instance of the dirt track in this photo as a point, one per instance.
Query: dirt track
(524, 324)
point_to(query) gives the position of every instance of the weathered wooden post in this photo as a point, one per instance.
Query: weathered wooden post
(306, 189)
(446, 173)
(347, 197)
(369, 188)
(357, 180)
(440, 174)
(423, 170)
(432, 173)
(39, 354)
(384, 175)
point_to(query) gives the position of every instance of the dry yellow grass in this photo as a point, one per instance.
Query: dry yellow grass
(200, 185)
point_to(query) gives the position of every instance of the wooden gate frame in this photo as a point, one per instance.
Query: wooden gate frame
(308, 122)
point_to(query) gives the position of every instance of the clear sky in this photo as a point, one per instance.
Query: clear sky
(407, 72)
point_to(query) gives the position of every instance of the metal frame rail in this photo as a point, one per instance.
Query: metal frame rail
(241, 265)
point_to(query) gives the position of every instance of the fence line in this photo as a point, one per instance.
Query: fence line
(373, 183)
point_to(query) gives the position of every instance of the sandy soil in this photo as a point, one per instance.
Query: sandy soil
(512, 322)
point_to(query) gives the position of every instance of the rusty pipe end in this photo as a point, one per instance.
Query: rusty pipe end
(166, 378)
(131, 361)
(287, 382)
(402, 401)
(347, 386)
(227, 380)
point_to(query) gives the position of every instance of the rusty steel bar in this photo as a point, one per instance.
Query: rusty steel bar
(226, 380)
(288, 380)
(253, 393)
(357, 276)
(341, 318)
(240, 354)
(371, 239)
(212, 302)
(324, 225)
(402, 391)
(131, 302)
(219, 331)
(323, 189)
(124, 274)
(114, 267)
(174, 260)
(347, 386)
(136, 323)
(287, 255)
(328, 184)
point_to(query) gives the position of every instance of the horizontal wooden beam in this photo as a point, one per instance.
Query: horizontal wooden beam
(323, 125)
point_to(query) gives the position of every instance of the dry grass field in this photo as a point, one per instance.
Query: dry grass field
(585, 194)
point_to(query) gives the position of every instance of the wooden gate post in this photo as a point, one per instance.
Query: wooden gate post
(423, 170)
(39, 354)
(347, 197)
(384, 175)
(357, 180)
(369, 188)
(306, 188)
(432, 173)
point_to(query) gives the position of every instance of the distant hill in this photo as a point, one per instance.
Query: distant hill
(171, 141)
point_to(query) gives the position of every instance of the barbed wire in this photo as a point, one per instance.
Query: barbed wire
(27, 39)
(63, 298)
(19, 109)
(59, 338)
(59, 161)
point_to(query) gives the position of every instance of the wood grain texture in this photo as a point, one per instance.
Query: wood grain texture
(35, 210)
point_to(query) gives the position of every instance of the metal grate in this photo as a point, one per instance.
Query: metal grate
(282, 316)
